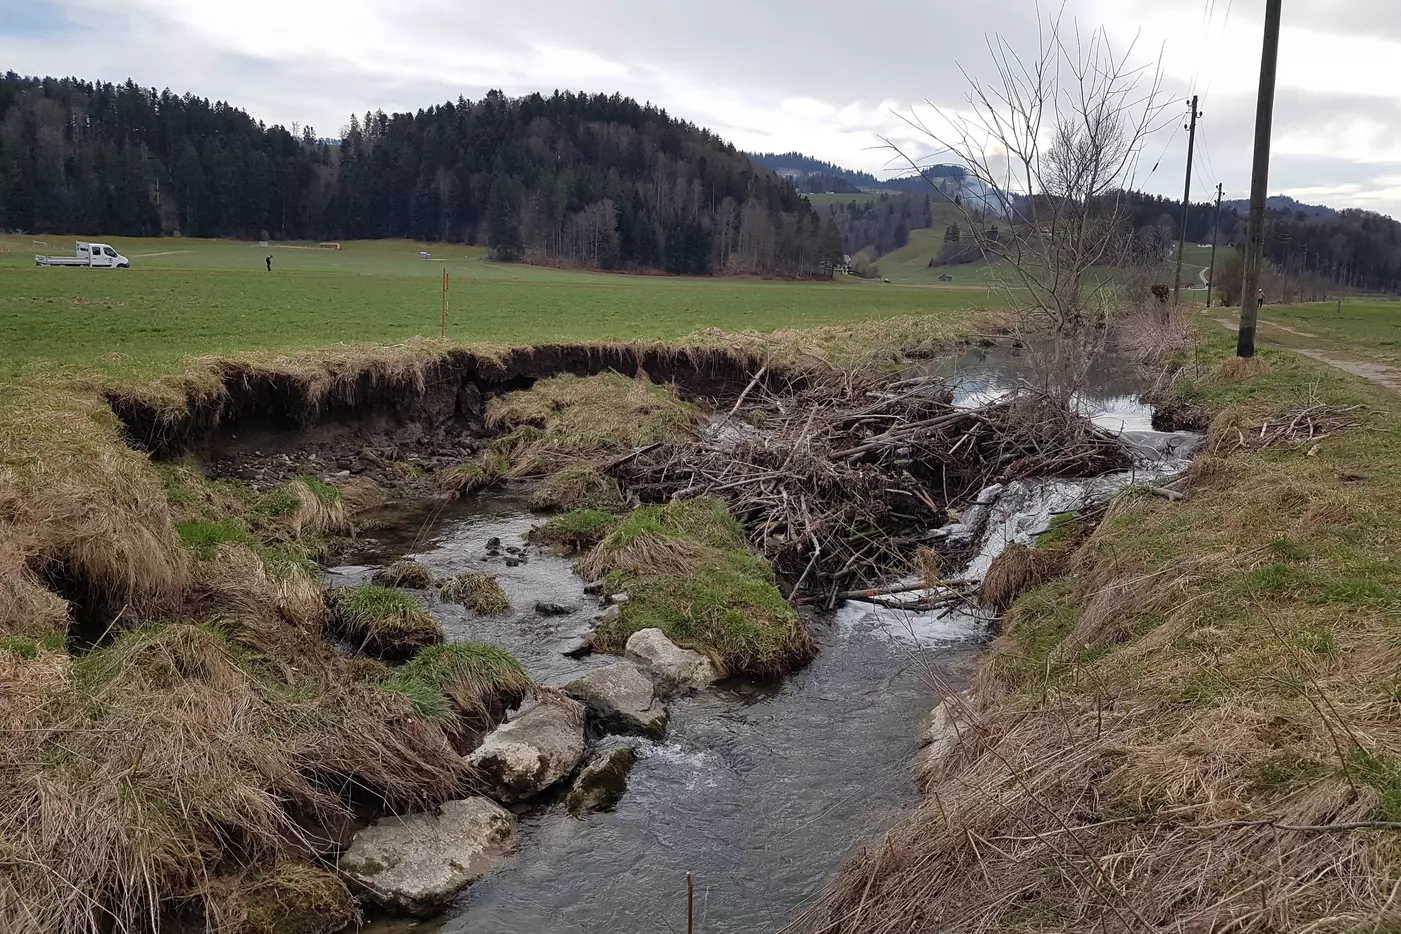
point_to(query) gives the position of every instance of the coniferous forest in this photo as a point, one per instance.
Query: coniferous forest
(572, 179)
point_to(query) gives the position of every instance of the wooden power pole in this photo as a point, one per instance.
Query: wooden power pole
(1186, 203)
(1259, 183)
(1215, 235)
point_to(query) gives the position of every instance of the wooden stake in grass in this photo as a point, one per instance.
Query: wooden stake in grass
(444, 331)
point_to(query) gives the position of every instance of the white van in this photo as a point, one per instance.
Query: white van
(87, 254)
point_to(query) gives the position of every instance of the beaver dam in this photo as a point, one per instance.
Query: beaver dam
(514, 641)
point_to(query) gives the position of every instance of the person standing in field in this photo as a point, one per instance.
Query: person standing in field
(269, 262)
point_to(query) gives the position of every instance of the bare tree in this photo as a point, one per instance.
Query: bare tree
(1054, 141)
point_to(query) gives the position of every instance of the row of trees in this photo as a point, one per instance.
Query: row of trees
(586, 180)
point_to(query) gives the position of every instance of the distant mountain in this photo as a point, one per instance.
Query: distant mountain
(1283, 204)
(813, 176)
(799, 168)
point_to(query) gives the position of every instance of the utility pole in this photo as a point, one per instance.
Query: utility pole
(1259, 182)
(1215, 235)
(1186, 204)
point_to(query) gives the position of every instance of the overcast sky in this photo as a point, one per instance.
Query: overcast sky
(818, 76)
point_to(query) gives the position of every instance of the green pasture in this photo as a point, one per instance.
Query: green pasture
(184, 297)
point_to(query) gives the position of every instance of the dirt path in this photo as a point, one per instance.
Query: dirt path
(1388, 377)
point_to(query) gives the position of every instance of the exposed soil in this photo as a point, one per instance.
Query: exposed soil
(268, 425)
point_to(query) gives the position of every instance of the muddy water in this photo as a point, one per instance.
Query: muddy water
(761, 790)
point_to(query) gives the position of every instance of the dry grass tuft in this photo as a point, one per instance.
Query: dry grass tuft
(480, 593)
(27, 607)
(579, 487)
(404, 573)
(1207, 472)
(464, 479)
(1327, 514)
(382, 621)
(320, 508)
(580, 421)
(1240, 369)
(1014, 572)
(359, 494)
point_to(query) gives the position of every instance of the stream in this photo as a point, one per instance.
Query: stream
(762, 790)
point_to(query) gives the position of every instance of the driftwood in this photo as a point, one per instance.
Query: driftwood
(835, 483)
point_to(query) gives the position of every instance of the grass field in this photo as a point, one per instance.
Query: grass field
(1371, 327)
(186, 297)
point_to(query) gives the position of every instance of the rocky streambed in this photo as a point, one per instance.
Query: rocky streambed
(760, 789)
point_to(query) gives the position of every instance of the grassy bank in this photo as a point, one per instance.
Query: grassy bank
(1199, 727)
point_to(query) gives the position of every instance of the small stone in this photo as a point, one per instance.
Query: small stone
(601, 781)
(618, 598)
(550, 608)
(513, 562)
(342, 473)
(493, 544)
(577, 646)
(512, 550)
(593, 587)
(613, 612)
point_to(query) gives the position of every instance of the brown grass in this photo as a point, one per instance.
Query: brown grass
(649, 552)
(1240, 369)
(480, 593)
(581, 421)
(317, 511)
(1014, 572)
(120, 809)
(404, 573)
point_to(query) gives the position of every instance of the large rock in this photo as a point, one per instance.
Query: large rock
(672, 668)
(524, 756)
(601, 781)
(620, 699)
(415, 864)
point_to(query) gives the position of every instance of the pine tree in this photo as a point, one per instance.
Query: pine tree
(504, 221)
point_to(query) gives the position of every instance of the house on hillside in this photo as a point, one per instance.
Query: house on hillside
(946, 278)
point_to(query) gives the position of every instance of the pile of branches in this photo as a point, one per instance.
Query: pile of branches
(840, 483)
(1307, 425)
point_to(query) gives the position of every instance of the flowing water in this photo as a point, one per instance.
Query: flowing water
(760, 790)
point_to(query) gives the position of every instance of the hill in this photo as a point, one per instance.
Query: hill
(573, 179)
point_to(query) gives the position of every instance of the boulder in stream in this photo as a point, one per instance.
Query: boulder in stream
(416, 863)
(533, 751)
(620, 699)
(673, 669)
(555, 608)
(601, 781)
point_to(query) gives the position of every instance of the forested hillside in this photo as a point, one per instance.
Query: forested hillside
(585, 180)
